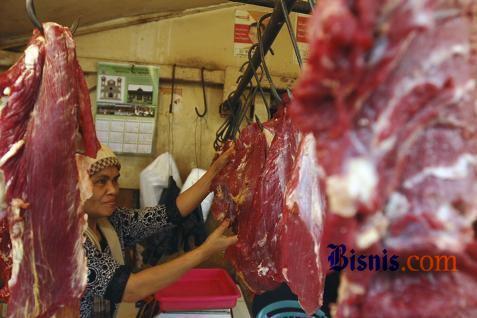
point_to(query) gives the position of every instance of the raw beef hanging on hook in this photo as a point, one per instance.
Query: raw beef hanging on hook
(46, 121)
(389, 93)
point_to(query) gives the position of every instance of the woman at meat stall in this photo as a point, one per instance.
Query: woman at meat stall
(112, 289)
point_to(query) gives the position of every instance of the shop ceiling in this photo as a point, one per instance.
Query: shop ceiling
(99, 15)
(15, 24)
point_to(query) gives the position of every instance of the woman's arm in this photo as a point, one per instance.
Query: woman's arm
(150, 280)
(188, 200)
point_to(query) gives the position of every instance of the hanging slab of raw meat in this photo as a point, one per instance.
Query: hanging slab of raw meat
(302, 229)
(261, 228)
(389, 93)
(235, 188)
(250, 192)
(47, 119)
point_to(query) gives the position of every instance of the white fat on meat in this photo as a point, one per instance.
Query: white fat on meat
(464, 91)
(421, 16)
(450, 242)
(16, 237)
(11, 152)
(308, 191)
(374, 229)
(452, 219)
(460, 169)
(262, 270)
(262, 242)
(7, 91)
(358, 184)
(31, 56)
(285, 273)
(3, 102)
(397, 206)
(349, 289)
(242, 164)
(445, 54)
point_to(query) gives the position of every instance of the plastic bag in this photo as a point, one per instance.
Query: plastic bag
(155, 177)
(192, 178)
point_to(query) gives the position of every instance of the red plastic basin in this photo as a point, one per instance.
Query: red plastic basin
(198, 289)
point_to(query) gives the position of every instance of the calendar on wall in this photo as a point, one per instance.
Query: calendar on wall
(127, 98)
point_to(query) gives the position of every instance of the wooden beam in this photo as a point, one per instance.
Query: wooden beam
(183, 73)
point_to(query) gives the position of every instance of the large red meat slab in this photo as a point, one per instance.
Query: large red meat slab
(389, 93)
(46, 120)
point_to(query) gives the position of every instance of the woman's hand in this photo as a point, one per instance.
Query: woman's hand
(150, 280)
(222, 160)
(217, 241)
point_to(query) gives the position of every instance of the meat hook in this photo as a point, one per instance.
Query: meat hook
(203, 92)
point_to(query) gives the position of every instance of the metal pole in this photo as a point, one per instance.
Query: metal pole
(300, 6)
(273, 28)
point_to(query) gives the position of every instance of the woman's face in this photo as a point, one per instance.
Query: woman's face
(105, 190)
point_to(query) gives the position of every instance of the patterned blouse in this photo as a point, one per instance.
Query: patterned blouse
(106, 278)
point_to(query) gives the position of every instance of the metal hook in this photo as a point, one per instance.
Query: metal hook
(238, 79)
(75, 26)
(264, 63)
(257, 79)
(249, 106)
(203, 92)
(31, 12)
(259, 123)
(30, 8)
(289, 93)
(291, 33)
(242, 67)
(172, 89)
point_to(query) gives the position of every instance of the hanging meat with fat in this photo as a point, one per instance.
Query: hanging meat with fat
(46, 120)
(389, 93)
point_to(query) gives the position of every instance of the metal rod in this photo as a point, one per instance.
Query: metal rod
(172, 88)
(273, 28)
(300, 6)
(264, 62)
(291, 32)
(31, 12)
(75, 26)
(258, 79)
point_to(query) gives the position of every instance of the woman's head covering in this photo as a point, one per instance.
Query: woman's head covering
(105, 158)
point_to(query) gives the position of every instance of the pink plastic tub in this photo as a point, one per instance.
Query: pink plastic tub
(198, 289)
